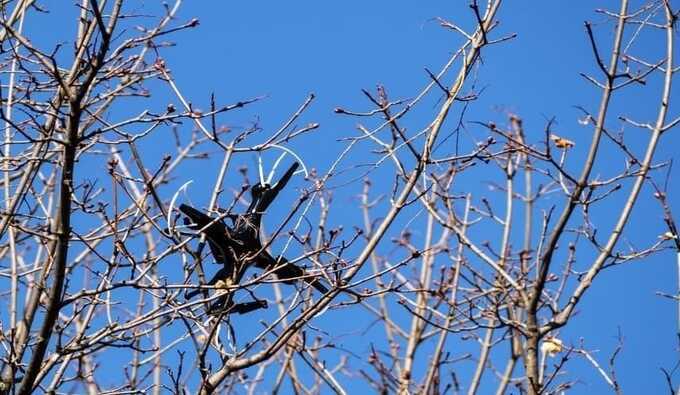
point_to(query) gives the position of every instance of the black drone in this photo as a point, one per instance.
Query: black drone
(239, 247)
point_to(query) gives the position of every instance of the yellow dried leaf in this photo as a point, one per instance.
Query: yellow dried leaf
(668, 236)
(561, 142)
(551, 346)
(223, 284)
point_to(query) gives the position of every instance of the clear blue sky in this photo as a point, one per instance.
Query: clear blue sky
(288, 49)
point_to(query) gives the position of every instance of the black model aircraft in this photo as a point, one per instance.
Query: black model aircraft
(239, 247)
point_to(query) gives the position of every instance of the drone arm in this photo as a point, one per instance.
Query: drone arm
(288, 272)
(269, 195)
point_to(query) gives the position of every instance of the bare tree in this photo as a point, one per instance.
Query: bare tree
(98, 260)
